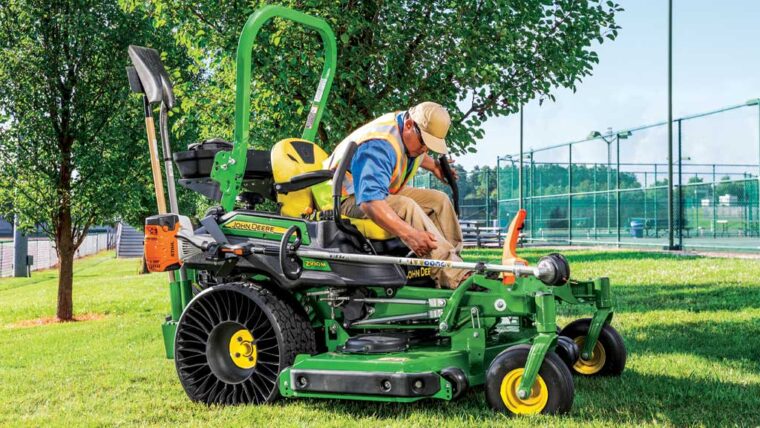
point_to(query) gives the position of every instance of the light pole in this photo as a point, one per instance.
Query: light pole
(607, 138)
(511, 160)
(670, 127)
(680, 189)
(620, 135)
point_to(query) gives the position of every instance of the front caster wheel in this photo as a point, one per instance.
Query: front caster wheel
(552, 392)
(609, 354)
(232, 342)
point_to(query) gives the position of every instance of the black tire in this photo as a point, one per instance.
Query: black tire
(554, 374)
(204, 341)
(610, 348)
(458, 379)
(567, 350)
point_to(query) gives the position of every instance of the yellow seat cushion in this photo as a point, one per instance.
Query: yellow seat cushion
(291, 157)
(370, 229)
(294, 156)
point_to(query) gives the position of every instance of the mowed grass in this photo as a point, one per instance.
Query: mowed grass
(691, 326)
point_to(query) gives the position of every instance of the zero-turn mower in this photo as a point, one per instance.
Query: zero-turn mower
(308, 303)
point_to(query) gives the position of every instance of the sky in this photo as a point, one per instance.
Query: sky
(716, 63)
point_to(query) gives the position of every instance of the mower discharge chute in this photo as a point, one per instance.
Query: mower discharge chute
(308, 303)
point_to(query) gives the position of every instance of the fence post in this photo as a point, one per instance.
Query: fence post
(593, 202)
(520, 173)
(617, 185)
(532, 192)
(714, 205)
(498, 189)
(646, 184)
(609, 195)
(654, 200)
(758, 168)
(680, 190)
(570, 195)
(488, 199)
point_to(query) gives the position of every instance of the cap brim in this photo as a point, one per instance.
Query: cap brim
(435, 144)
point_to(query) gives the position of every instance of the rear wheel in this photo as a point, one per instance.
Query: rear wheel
(552, 392)
(232, 342)
(609, 354)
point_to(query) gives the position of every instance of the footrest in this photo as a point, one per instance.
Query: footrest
(365, 383)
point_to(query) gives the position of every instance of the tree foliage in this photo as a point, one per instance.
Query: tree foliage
(72, 153)
(487, 57)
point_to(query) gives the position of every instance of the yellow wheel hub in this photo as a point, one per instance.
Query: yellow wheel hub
(594, 364)
(243, 349)
(533, 404)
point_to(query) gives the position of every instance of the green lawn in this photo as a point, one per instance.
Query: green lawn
(691, 325)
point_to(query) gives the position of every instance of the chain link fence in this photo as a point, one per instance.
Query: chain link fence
(614, 189)
(43, 251)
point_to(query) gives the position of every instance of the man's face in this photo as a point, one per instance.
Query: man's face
(412, 138)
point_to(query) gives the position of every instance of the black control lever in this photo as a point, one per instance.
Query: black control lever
(448, 174)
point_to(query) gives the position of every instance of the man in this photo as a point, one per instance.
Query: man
(391, 149)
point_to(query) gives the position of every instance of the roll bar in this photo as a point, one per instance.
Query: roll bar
(229, 167)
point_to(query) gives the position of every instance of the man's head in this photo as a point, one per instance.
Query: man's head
(425, 127)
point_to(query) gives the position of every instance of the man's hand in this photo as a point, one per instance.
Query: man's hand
(421, 242)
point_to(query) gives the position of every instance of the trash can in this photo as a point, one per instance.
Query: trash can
(637, 229)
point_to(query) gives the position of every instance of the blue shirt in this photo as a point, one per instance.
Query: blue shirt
(372, 167)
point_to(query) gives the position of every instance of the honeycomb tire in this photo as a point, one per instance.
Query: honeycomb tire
(233, 341)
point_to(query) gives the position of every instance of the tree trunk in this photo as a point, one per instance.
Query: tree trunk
(65, 249)
(65, 311)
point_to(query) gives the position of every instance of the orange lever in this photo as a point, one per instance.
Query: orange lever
(509, 256)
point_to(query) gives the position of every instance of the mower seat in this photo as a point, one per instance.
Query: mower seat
(295, 160)
(370, 229)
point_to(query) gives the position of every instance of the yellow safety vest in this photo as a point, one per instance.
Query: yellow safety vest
(383, 128)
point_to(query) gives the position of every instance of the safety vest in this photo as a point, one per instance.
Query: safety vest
(383, 128)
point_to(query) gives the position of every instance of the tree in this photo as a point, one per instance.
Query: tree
(71, 150)
(491, 57)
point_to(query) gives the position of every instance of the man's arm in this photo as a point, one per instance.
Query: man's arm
(419, 241)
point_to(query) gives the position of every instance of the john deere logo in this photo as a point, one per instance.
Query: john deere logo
(418, 273)
(254, 227)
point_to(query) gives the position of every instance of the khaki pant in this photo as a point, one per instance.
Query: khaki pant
(431, 211)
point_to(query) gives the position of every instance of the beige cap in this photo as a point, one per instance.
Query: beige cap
(433, 121)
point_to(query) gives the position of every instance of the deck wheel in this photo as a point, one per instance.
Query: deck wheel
(609, 355)
(552, 392)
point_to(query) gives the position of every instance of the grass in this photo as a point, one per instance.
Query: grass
(691, 325)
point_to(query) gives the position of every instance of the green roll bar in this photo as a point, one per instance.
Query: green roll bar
(229, 167)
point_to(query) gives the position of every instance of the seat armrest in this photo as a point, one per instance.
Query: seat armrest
(302, 181)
